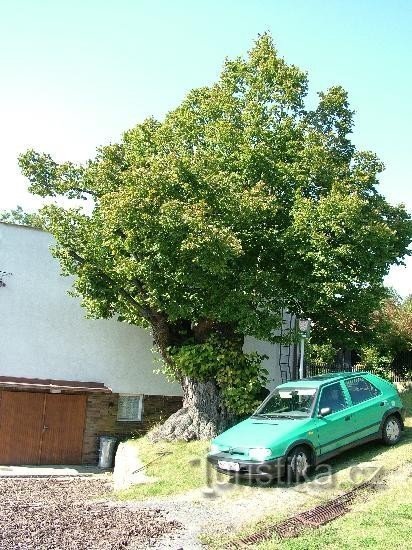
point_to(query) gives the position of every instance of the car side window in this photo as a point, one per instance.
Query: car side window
(361, 389)
(332, 397)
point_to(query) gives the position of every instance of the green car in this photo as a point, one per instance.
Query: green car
(305, 422)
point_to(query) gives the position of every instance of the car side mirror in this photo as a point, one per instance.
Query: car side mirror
(325, 411)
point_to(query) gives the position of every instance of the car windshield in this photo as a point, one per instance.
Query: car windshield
(288, 403)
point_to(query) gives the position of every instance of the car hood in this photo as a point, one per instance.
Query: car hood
(258, 432)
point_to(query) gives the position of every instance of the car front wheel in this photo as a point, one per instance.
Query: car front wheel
(298, 464)
(391, 431)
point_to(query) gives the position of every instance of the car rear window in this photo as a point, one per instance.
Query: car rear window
(361, 389)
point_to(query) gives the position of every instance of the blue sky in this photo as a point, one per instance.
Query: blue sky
(75, 74)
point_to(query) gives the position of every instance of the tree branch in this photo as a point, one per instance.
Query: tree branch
(145, 312)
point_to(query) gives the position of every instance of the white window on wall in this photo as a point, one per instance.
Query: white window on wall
(130, 408)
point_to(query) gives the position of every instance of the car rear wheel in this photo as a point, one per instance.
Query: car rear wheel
(391, 430)
(298, 464)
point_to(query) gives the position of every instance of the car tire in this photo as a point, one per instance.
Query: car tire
(298, 464)
(391, 430)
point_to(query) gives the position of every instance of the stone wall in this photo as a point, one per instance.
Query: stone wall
(101, 419)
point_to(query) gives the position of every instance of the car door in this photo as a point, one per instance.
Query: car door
(367, 406)
(335, 429)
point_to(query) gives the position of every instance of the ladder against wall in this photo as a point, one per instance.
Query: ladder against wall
(287, 350)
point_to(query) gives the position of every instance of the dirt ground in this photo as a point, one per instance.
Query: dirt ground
(38, 513)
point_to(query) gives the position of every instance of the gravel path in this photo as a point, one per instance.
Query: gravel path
(78, 514)
(222, 513)
(60, 514)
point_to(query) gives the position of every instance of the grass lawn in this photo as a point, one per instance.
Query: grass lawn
(182, 469)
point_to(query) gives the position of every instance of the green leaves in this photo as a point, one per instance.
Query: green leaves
(239, 375)
(19, 217)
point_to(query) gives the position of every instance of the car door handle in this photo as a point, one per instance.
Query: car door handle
(347, 418)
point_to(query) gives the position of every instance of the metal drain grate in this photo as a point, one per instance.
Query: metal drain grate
(292, 527)
(322, 514)
(288, 528)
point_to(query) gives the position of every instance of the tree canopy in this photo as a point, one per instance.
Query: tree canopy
(393, 328)
(19, 216)
(239, 204)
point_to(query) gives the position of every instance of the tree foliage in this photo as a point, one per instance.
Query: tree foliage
(238, 374)
(393, 324)
(19, 216)
(240, 204)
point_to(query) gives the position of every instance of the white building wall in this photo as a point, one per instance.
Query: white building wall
(279, 358)
(271, 364)
(44, 333)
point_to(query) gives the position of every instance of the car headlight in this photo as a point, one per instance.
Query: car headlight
(259, 454)
(214, 449)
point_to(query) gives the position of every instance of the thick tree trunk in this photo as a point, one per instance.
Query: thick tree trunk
(203, 415)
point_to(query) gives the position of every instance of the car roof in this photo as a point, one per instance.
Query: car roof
(320, 379)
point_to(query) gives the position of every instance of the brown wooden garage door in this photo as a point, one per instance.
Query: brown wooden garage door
(41, 428)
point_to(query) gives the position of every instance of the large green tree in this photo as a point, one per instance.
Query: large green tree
(208, 224)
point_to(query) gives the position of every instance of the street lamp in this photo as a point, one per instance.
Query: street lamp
(304, 328)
